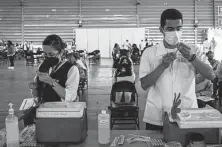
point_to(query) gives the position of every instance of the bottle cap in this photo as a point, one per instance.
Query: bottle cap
(103, 111)
(11, 110)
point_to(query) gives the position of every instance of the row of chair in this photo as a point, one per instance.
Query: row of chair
(123, 112)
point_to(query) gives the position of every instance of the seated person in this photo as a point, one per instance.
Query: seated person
(124, 73)
(135, 53)
(115, 55)
(39, 51)
(29, 55)
(124, 52)
(214, 63)
(94, 53)
(204, 87)
(74, 59)
(115, 51)
(219, 76)
(94, 56)
(82, 53)
(83, 61)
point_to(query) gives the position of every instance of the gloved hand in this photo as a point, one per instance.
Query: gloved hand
(176, 103)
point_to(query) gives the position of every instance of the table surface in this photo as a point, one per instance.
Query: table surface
(92, 138)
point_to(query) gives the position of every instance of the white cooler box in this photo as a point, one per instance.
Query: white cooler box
(58, 122)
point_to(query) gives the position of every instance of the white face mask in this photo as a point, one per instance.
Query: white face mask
(173, 37)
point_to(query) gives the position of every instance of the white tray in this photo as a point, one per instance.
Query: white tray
(199, 118)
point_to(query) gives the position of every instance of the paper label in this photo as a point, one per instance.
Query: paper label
(59, 114)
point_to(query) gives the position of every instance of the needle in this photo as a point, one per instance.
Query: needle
(177, 48)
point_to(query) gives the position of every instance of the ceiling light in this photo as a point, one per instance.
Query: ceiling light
(54, 10)
(107, 9)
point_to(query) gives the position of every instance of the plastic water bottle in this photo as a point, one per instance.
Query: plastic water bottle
(2, 137)
(103, 128)
(12, 129)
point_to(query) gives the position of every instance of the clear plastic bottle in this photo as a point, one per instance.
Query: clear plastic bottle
(104, 128)
(2, 137)
(12, 129)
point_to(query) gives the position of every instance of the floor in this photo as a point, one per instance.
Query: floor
(14, 88)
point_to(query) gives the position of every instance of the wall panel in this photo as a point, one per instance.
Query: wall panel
(109, 13)
(217, 17)
(115, 37)
(44, 17)
(93, 39)
(104, 40)
(81, 39)
(204, 16)
(10, 20)
(150, 12)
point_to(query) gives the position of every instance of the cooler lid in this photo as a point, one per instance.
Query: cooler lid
(62, 106)
(61, 110)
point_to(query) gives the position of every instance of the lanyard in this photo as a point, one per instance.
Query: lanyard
(57, 67)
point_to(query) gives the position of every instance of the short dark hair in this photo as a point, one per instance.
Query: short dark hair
(55, 41)
(209, 52)
(9, 42)
(170, 14)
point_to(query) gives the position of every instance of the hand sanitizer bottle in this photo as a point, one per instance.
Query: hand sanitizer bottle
(104, 128)
(12, 129)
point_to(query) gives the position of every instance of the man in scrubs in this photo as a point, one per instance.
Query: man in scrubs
(168, 68)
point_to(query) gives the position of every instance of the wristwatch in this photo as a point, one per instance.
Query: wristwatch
(54, 83)
(192, 58)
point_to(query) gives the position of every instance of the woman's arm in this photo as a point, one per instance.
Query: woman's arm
(69, 93)
(72, 84)
(47, 79)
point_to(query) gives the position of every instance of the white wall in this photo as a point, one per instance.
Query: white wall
(104, 39)
(81, 39)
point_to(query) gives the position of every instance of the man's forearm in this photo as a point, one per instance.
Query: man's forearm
(204, 69)
(150, 79)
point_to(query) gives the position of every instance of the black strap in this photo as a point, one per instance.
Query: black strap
(56, 68)
(192, 58)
